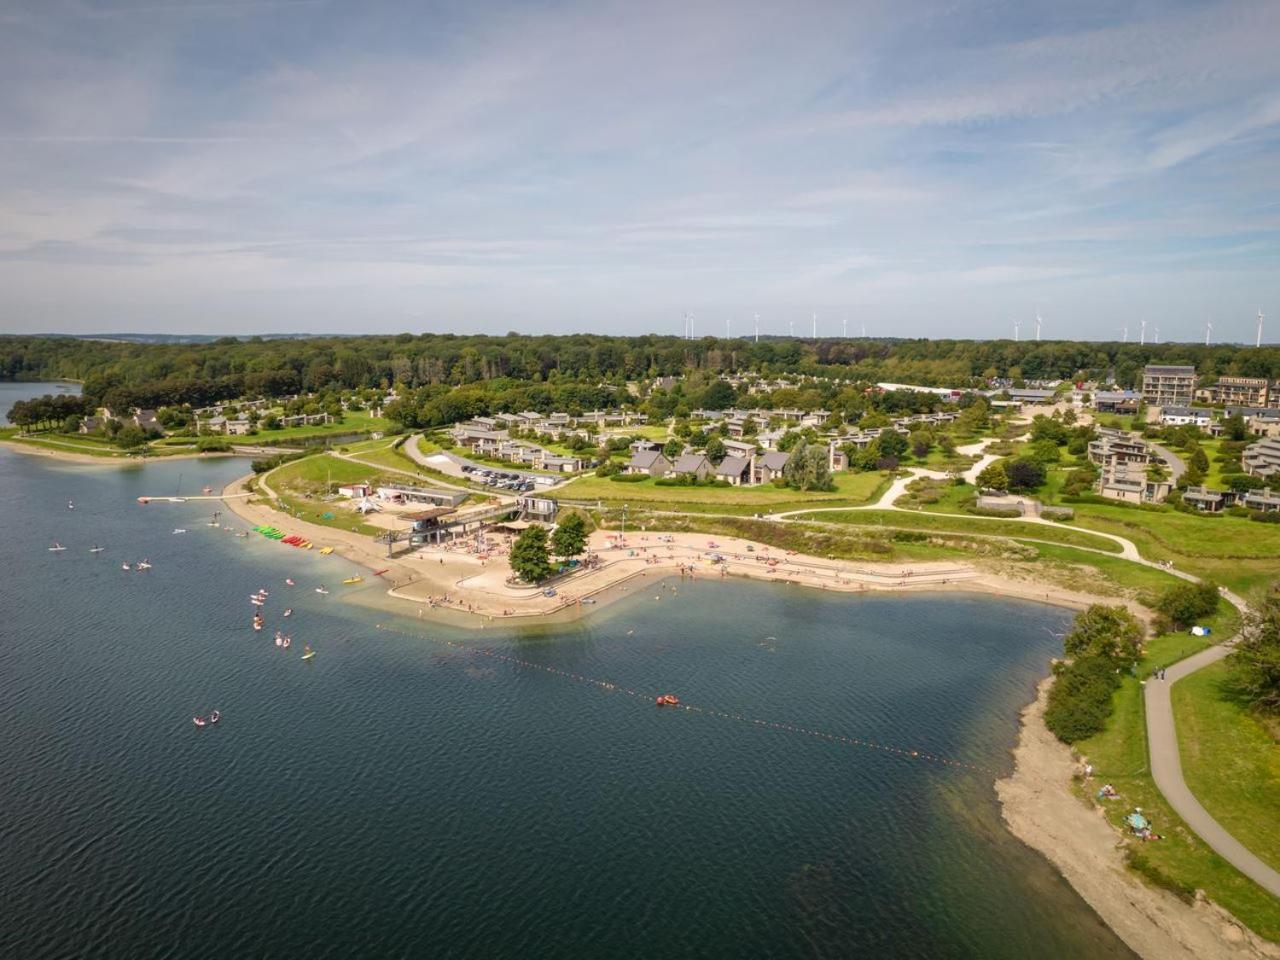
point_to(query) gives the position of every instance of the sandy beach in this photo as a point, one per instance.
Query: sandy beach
(70, 456)
(461, 578)
(1042, 811)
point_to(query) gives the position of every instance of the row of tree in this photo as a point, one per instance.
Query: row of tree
(227, 367)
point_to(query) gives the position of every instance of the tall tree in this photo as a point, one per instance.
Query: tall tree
(570, 536)
(529, 560)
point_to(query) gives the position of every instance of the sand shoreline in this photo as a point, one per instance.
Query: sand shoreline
(69, 456)
(1040, 809)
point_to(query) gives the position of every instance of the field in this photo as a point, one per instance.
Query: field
(851, 489)
(1181, 862)
(1014, 529)
(1230, 759)
(353, 422)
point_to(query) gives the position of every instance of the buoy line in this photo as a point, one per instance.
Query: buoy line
(905, 753)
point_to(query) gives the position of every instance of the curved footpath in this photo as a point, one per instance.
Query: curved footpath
(1166, 768)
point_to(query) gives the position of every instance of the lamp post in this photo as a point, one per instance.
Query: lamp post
(624, 524)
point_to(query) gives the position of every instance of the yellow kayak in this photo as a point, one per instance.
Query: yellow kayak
(326, 550)
(354, 580)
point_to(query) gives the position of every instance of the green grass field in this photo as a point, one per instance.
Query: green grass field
(851, 489)
(1230, 759)
(352, 422)
(1014, 529)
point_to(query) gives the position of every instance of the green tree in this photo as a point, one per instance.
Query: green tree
(529, 560)
(1186, 603)
(993, 477)
(570, 536)
(715, 450)
(1104, 631)
(672, 449)
(1200, 460)
(1025, 475)
(807, 468)
(892, 443)
(1234, 428)
(1255, 663)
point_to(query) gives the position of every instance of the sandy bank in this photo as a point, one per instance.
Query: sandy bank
(1041, 810)
(460, 579)
(70, 456)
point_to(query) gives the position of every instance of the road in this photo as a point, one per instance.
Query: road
(1176, 466)
(1166, 769)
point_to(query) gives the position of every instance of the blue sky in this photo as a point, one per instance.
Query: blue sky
(925, 169)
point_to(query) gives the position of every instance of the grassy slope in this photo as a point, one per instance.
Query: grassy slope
(1119, 757)
(1230, 759)
(851, 488)
(912, 520)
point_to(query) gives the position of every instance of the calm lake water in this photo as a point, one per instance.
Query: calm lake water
(400, 797)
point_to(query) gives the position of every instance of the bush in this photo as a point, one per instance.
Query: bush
(263, 464)
(1261, 517)
(1080, 699)
(1024, 474)
(1186, 603)
(213, 445)
(628, 477)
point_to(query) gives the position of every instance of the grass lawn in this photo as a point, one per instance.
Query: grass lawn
(1014, 529)
(89, 446)
(1234, 551)
(310, 475)
(1094, 573)
(313, 511)
(650, 431)
(851, 488)
(1181, 861)
(1230, 759)
(352, 422)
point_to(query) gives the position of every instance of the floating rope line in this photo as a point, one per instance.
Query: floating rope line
(609, 686)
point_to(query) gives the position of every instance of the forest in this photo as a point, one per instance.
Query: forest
(163, 374)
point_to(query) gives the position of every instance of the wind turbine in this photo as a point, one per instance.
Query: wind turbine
(844, 326)
(1038, 322)
(791, 328)
(1017, 328)
(691, 326)
(1124, 332)
(1258, 342)
(757, 328)
(815, 325)
(1208, 331)
(1157, 326)
(1142, 340)
(864, 331)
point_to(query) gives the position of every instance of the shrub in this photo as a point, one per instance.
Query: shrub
(628, 477)
(1080, 699)
(1261, 517)
(1024, 474)
(1186, 603)
(213, 445)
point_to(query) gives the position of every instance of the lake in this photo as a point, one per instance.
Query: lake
(406, 794)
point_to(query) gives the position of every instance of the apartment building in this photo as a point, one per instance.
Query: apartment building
(1238, 391)
(1168, 386)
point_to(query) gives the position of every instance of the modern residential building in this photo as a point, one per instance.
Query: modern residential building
(736, 470)
(1185, 416)
(1128, 481)
(692, 464)
(1123, 402)
(1244, 391)
(1262, 459)
(769, 466)
(1168, 386)
(650, 463)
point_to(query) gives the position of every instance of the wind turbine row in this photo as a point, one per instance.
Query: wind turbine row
(687, 329)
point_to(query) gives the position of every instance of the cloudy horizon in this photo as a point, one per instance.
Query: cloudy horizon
(917, 169)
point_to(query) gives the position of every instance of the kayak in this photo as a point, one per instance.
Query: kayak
(308, 655)
(354, 580)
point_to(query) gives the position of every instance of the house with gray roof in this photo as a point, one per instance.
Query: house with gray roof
(736, 470)
(769, 466)
(692, 464)
(650, 463)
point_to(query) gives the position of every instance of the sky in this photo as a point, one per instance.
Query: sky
(929, 169)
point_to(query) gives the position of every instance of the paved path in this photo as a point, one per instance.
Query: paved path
(1176, 467)
(1166, 769)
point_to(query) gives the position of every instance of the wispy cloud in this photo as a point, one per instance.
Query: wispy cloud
(624, 162)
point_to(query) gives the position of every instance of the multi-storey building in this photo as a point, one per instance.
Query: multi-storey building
(1262, 459)
(1241, 391)
(1168, 386)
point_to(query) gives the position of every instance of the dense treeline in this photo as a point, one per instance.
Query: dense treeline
(157, 374)
(52, 411)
